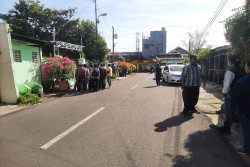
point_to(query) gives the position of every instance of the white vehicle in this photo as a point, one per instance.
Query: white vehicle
(172, 73)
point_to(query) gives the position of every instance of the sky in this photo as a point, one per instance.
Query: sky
(131, 16)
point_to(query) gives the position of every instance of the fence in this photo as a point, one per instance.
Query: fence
(216, 65)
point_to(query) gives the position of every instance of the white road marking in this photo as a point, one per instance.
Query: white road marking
(149, 77)
(53, 141)
(135, 86)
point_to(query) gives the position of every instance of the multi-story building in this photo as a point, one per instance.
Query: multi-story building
(155, 44)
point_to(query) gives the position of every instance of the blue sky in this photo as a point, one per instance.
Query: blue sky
(143, 16)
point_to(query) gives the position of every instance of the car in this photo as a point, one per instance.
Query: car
(172, 73)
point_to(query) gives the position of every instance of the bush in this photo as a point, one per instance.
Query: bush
(113, 76)
(27, 99)
(58, 68)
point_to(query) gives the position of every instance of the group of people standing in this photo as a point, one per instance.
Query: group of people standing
(92, 77)
(236, 91)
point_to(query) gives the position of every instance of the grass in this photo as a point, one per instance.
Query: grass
(27, 98)
(212, 105)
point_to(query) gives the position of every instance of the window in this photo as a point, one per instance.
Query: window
(17, 56)
(146, 46)
(34, 57)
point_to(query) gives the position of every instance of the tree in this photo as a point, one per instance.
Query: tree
(196, 41)
(30, 18)
(203, 54)
(238, 30)
(121, 58)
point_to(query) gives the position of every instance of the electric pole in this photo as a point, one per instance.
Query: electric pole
(95, 18)
(113, 39)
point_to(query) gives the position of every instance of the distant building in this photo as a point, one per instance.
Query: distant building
(175, 56)
(128, 56)
(155, 44)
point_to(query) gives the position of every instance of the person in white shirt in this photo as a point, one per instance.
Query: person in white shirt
(232, 75)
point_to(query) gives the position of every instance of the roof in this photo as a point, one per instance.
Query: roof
(26, 40)
(179, 50)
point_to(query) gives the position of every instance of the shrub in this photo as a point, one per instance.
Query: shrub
(58, 68)
(27, 99)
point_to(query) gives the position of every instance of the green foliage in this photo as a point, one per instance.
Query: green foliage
(186, 61)
(121, 58)
(237, 32)
(113, 76)
(203, 54)
(32, 19)
(27, 99)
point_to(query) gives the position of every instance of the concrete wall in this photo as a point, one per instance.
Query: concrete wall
(8, 88)
(27, 70)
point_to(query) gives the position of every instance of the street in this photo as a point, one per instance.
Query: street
(133, 124)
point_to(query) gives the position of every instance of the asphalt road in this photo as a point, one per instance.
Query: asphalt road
(132, 124)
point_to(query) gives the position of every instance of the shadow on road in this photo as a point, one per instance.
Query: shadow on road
(171, 85)
(171, 122)
(207, 149)
(150, 86)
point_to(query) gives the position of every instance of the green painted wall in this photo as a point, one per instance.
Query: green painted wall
(172, 62)
(27, 71)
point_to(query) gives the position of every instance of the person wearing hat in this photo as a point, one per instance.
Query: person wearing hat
(232, 75)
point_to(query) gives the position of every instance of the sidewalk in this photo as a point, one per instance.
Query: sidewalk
(210, 100)
(6, 109)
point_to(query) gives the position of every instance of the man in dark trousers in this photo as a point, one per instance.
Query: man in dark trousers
(158, 74)
(95, 77)
(103, 73)
(241, 93)
(80, 76)
(191, 81)
(232, 75)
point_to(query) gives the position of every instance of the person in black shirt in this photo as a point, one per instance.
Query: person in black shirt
(241, 93)
(158, 74)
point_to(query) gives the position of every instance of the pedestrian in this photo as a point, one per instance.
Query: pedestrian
(80, 76)
(103, 74)
(241, 93)
(90, 77)
(191, 81)
(86, 77)
(222, 108)
(117, 72)
(124, 70)
(109, 75)
(232, 75)
(95, 77)
(158, 74)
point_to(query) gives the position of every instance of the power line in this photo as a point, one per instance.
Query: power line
(215, 15)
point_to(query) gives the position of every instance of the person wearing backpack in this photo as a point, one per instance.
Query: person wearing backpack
(95, 77)
(103, 74)
(109, 75)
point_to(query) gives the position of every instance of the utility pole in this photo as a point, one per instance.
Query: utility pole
(189, 45)
(54, 40)
(96, 18)
(113, 39)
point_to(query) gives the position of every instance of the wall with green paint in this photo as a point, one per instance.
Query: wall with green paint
(27, 70)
